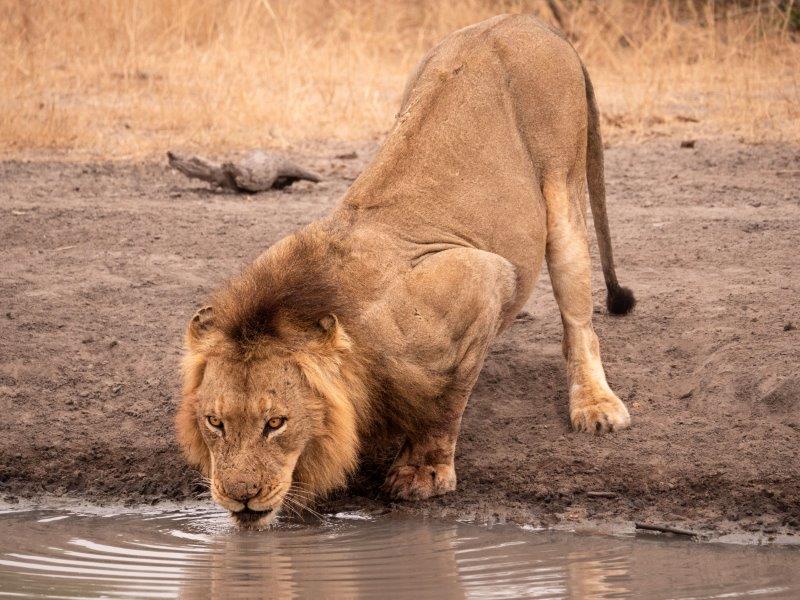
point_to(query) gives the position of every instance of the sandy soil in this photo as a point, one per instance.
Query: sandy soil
(102, 264)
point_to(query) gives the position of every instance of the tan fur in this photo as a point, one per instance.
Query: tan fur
(379, 317)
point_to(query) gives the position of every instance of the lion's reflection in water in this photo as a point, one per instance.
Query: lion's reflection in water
(402, 558)
(350, 559)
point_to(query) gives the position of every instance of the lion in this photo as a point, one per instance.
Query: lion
(379, 316)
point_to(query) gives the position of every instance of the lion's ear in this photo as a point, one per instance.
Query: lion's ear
(333, 334)
(199, 326)
(189, 436)
(329, 324)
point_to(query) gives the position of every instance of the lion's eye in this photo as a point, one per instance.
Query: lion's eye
(215, 422)
(275, 423)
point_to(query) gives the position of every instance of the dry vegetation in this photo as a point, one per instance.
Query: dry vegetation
(133, 77)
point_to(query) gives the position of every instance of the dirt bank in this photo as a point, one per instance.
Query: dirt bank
(102, 264)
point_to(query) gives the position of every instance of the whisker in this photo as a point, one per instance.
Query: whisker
(303, 506)
(300, 485)
(287, 502)
(308, 499)
(299, 497)
(306, 493)
(289, 506)
(305, 509)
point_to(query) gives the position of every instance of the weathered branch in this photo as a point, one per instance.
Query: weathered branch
(256, 172)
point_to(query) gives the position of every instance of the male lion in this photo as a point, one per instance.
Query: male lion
(379, 316)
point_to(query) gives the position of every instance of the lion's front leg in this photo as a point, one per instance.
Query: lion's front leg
(423, 469)
(450, 308)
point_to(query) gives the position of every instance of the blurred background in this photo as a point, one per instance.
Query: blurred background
(128, 78)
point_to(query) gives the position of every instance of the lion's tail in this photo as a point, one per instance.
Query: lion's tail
(620, 299)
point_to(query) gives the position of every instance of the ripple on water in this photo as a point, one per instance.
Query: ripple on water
(196, 553)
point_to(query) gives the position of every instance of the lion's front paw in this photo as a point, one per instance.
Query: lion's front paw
(410, 482)
(600, 413)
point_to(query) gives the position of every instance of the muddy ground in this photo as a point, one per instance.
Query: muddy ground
(102, 264)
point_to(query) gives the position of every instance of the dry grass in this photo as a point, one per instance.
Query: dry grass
(132, 77)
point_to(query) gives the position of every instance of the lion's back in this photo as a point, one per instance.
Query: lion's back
(517, 45)
(487, 114)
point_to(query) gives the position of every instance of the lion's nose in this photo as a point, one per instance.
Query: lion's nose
(242, 491)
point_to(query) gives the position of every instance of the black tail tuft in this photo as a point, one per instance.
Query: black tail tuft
(620, 300)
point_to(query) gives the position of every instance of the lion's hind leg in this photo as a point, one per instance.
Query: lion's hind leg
(592, 405)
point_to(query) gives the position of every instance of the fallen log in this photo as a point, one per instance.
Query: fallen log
(257, 171)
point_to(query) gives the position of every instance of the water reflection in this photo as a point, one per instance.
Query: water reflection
(338, 561)
(197, 554)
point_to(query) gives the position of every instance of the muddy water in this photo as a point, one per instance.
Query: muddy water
(195, 553)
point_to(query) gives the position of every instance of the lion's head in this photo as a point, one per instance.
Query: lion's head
(270, 375)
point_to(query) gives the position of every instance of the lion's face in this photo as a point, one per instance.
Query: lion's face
(255, 420)
(267, 413)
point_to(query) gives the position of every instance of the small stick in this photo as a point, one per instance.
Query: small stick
(601, 494)
(666, 529)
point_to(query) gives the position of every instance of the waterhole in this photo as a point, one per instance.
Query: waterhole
(196, 553)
